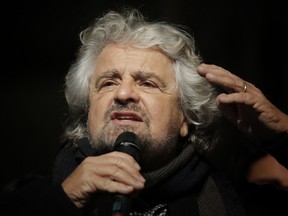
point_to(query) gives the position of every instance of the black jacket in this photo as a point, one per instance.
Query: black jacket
(193, 189)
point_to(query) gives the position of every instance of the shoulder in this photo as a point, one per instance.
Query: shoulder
(64, 162)
(219, 194)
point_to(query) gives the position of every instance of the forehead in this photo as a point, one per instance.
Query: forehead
(127, 58)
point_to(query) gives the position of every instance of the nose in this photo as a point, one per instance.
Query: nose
(127, 92)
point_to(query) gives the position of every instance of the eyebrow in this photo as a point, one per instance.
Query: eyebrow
(107, 74)
(145, 75)
(137, 75)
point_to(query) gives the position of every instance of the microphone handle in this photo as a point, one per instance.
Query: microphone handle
(121, 205)
(129, 143)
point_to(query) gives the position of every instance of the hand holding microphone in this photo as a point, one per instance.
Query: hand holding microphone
(113, 172)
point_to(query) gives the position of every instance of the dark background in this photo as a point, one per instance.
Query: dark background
(40, 39)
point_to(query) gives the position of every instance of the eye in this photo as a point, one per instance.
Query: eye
(107, 83)
(148, 84)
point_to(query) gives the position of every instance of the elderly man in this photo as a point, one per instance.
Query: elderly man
(146, 79)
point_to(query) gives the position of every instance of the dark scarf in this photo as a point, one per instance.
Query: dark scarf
(187, 185)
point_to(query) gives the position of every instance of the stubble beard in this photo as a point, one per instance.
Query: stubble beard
(157, 151)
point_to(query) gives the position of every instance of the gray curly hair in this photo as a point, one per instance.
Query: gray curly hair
(197, 96)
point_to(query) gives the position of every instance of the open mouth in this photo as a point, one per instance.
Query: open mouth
(126, 116)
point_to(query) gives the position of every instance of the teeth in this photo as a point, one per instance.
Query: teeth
(125, 118)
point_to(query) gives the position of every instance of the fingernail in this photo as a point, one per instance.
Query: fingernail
(142, 179)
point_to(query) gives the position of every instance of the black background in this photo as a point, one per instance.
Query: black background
(40, 39)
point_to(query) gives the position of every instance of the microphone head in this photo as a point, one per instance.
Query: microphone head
(129, 143)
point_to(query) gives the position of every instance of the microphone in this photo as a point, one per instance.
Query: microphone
(129, 143)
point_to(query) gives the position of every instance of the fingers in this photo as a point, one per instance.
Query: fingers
(118, 168)
(245, 99)
(244, 104)
(238, 90)
(115, 172)
(235, 111)
(223, 78)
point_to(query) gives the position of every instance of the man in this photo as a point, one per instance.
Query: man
(146, 78)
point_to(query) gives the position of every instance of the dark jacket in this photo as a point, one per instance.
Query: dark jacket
(191, 189)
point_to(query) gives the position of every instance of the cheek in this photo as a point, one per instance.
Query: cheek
(95, 115)
(165, 115)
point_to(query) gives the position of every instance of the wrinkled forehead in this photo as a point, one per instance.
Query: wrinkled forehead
(123, 57)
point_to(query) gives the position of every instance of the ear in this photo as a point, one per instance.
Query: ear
(184, 129)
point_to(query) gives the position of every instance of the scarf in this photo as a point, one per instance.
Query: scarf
(187, 186)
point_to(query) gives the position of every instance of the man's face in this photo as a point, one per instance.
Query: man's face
(134, 90)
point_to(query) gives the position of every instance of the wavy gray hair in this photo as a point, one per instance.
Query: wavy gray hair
(197, 96)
